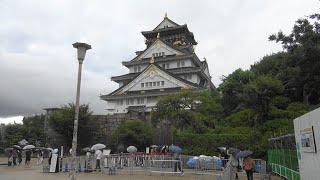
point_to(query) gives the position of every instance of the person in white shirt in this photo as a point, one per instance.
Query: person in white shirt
(98, 154)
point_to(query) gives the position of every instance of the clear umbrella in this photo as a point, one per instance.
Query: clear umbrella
(23, 142)
(132, 149)
(98, 146)
(28, 147)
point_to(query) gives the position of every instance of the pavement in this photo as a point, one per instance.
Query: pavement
(35, 173)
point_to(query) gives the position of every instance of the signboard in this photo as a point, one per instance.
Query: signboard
(53, 164)
(307, 140)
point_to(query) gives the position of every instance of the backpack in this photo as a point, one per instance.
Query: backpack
(248, 164)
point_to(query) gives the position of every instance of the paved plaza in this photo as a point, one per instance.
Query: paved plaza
(35, 173)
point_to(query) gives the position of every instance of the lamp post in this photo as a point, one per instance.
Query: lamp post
(81, 52)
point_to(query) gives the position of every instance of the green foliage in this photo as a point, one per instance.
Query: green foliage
(191, 110)
(133, 133)
(62, 122)
(246, 117)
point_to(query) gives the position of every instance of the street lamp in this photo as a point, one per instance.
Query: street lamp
(81, 51)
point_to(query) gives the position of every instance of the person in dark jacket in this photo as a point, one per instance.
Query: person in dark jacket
(28, 157)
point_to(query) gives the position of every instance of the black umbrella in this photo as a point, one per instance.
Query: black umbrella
(16, 147)
(243, 154)
(233, 151)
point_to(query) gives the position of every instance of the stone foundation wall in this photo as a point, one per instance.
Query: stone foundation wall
(103, 126)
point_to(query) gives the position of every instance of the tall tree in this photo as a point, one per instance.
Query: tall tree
(62, 122)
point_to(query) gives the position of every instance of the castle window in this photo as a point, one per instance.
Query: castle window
(182, 63)
(158, 83)
(142, 85)
(178, 64)
(132, 101)
(127, 101)
(168, 65)
(162, 83)
(154, 84)
(135, 69)
(150, 84)
(147, 84)
(139, 68)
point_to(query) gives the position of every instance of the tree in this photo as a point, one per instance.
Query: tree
(232, 88)
(34, 128)
(62, 122)
(189, 110)
(303, 48)
(133, 133)
(258, 94)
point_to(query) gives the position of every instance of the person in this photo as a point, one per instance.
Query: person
(10, 158)
(19, 157)
(235, 164)
(248, 166)
(177, 164)
(14, 157)
(98, 157)
(88, 162)
(40, 157)
(28, 157)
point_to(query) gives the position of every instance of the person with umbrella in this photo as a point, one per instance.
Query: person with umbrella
(248, 163)
(177, 156)
(28, 149)
(234, 161)
(98, 154)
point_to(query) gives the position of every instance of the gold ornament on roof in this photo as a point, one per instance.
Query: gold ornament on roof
(152, 60)
(165, 15)
(158, 35)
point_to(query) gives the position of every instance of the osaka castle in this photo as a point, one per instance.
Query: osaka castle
(166, 66)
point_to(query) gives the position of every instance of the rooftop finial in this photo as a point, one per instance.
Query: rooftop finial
(165, 15)
(152, 59)
(158, 35)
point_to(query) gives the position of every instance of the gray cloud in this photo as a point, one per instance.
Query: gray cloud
(38, 64)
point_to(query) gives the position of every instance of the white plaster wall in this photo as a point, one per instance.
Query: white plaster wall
(309, 163)
(156, 78)
(142, 67)
(114, 108)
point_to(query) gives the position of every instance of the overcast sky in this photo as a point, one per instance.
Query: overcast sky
(38, 65)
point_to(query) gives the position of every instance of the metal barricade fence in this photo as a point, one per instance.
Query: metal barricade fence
(160, 164)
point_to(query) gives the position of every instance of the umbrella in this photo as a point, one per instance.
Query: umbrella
(192, 162)
(49, 149)
(233, 151)
(28, 147)
(98, 146)
(175, 149)
(8, 149)
(23, 142)
(86, 149)
(243, 154)
(16, 147)
(132, 149)
(153, 146)
(222, 149)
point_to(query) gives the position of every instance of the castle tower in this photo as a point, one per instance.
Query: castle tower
(167, 65)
